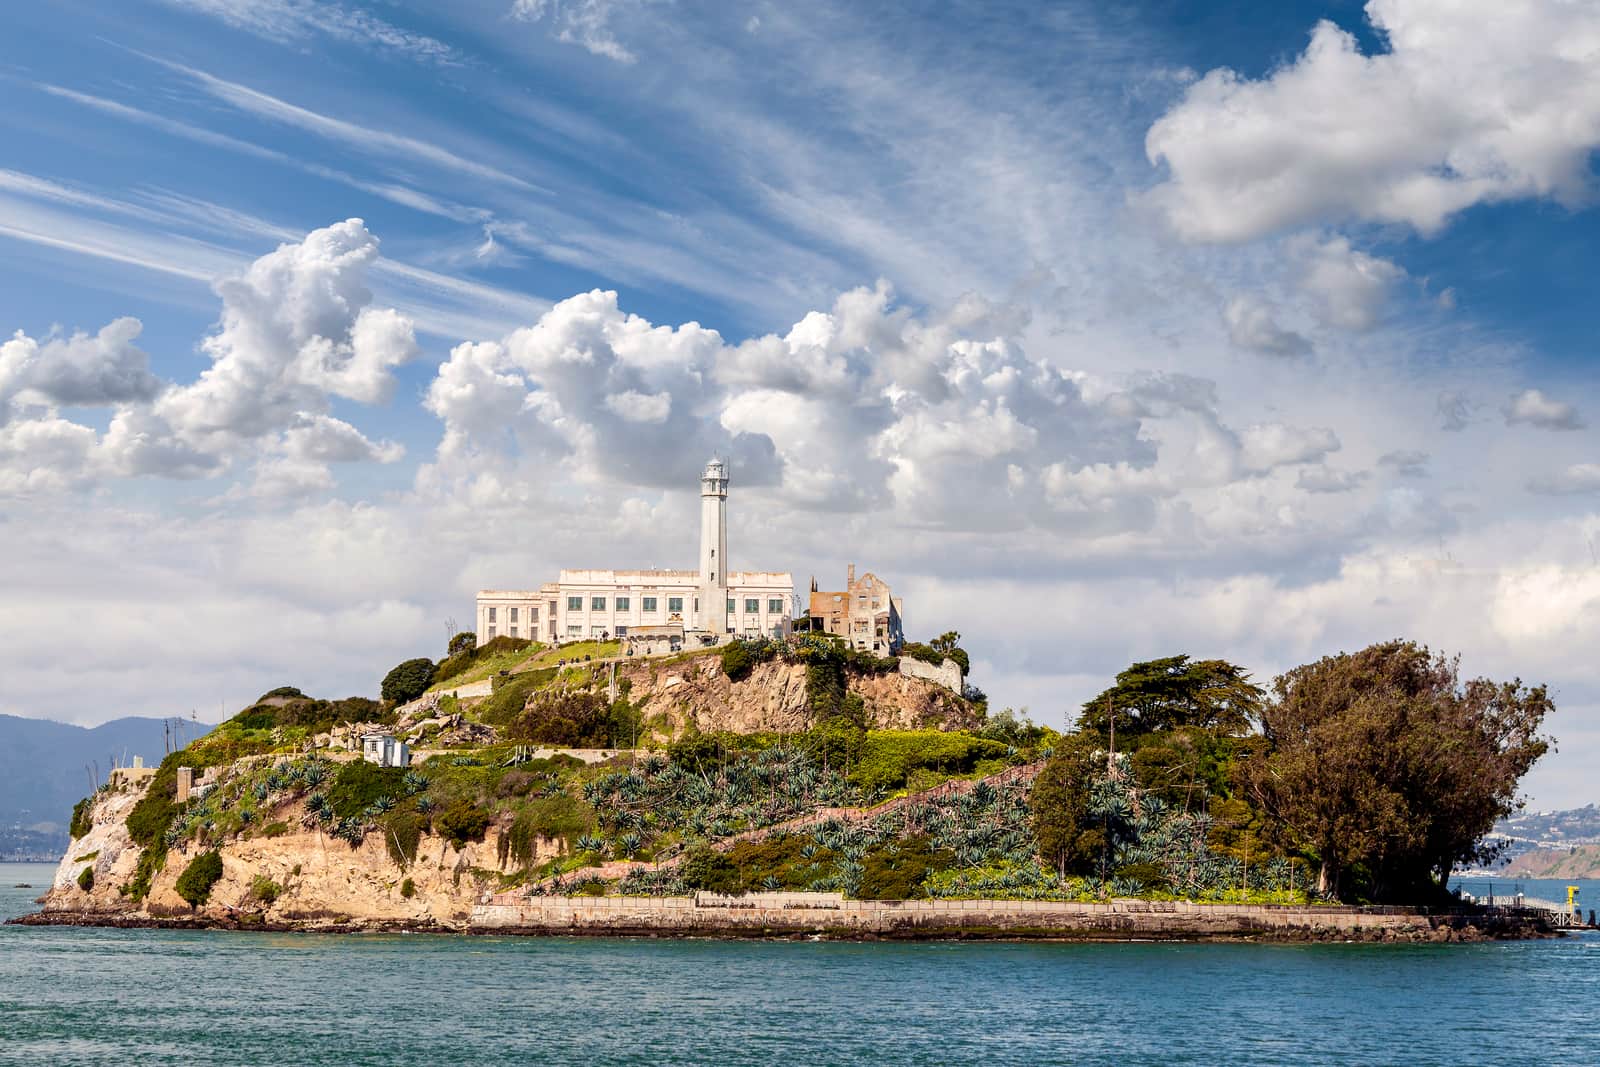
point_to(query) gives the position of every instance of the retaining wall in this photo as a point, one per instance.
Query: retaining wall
(947, 674)
(796, 913)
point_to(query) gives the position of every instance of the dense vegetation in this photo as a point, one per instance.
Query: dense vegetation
(1360, 777)
(1378, 770)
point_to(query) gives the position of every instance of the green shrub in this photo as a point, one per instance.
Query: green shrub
(897, 870)
(313, 715)
(408, 681)
(81, 821)
(520, 841)
(408, 889)
(451, 666)
(548, 817)
(255, 718)
(153, 815)
(502, 644)
(358, 784)
(580, 719)
(86, 878)
(753, 865)
(194, 884)
(275, 829)
(889, 756)
(402, 833)
(150, 863)
(281, 691)
(465, 641)
(264, 889)
(507, 701)
(705, 868)
(739, 658)
(462, 822)
(1148, 876)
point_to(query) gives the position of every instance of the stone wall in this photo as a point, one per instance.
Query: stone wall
(947, 674)
(804, 913)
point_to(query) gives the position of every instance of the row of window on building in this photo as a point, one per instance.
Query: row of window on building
(648, 605)
(533, 615)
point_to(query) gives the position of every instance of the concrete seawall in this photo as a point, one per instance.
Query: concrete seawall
(779, 914)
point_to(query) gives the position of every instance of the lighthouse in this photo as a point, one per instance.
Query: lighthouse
(714, 547)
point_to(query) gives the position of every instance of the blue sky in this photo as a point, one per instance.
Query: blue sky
(1250, 330)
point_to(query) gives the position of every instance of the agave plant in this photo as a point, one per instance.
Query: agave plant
(318, 809)
(382, 806)
(590, 843)
(628, 845)
(351, 830)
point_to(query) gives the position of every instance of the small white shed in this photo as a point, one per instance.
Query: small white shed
(385, 750)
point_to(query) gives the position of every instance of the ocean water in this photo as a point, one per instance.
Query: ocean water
(92, 996)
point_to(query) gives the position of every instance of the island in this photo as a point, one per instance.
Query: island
(802, 786)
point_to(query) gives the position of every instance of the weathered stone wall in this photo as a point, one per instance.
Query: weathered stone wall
(798, 913)
(947, 674)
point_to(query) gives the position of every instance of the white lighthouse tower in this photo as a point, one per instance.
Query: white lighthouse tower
(714, 547)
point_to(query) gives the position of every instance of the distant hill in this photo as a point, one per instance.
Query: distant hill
(1549, 844)
(42, 772)
(1582, 861)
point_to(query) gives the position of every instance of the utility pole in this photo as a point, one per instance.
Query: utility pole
(1244, 889)
(1111, 758)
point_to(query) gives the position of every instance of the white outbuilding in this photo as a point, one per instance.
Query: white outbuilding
(385, 750)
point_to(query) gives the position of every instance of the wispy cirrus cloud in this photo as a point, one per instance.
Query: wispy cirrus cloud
(391, 191)
(586, 23)
(32, 210)
(367, 138)
(296, 20)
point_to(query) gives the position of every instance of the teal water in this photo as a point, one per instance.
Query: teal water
(91, 996)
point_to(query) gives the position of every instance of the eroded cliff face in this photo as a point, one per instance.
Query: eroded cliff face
(320, 877)
(106, 849)
(773, 698)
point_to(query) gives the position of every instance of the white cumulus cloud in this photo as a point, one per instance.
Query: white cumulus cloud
(1532, 408)
(1474, 101)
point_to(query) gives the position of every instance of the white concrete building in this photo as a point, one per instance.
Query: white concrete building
(385, 750)
(711, 600)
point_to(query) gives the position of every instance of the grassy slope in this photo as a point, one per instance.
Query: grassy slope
(488, 667)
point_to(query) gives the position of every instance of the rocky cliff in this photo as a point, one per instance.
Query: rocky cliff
(315, 876)
(774, 697)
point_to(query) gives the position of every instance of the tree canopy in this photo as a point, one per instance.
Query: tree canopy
(1163, 694)
(1389, 770)
(408, 681)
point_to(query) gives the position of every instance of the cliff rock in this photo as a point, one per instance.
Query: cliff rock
(695, 690)
(319, 876)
